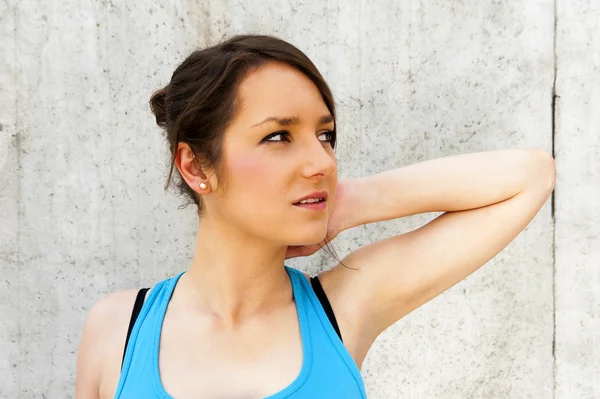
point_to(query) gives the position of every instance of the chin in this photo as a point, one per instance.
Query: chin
(309, 237)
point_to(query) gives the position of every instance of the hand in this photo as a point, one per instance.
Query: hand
(335, 225)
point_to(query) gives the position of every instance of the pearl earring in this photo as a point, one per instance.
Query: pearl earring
(202, 186)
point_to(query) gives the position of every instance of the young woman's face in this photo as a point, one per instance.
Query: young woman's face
(276, 151)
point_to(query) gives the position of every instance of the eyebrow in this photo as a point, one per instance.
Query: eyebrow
(292, 120)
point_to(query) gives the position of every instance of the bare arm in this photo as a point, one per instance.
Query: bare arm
(449, 184)
(89, 360)
(102, 344)
(488, 199)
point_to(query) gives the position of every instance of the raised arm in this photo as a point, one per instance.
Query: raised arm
(488, 199)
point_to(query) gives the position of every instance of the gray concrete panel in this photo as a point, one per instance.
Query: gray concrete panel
(10, 285)
(577, 200)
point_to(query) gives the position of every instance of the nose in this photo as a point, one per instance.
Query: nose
(318, 160)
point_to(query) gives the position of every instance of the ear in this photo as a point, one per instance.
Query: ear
(190, 170)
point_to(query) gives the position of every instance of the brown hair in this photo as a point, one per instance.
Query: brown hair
(201, 99)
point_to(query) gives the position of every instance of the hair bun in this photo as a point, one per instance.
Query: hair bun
(158, 107)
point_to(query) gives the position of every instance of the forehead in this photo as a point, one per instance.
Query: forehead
(277, 89)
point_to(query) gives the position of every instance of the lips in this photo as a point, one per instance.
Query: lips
(322, 195)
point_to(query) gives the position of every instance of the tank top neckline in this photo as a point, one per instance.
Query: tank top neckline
(297, 285)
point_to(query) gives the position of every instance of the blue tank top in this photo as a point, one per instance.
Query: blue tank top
(328, 370)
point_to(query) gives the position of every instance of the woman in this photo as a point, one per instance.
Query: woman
(251, 127)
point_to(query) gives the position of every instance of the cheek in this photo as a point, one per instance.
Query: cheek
(245, 167)
(254, 177)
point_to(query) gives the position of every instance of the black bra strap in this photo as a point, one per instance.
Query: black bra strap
(318, 288)
(137, 307)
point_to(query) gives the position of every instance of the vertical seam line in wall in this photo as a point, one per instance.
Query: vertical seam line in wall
(553, 98)
(553, 201)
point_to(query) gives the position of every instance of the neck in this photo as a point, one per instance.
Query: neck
(234, 275)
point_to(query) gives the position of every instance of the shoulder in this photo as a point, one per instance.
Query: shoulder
(111, 303)
(103, 340)
(109, 313)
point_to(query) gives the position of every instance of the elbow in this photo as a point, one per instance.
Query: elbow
(543, 169)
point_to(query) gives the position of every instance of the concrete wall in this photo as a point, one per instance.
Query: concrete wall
(82, 166)
(577, 144)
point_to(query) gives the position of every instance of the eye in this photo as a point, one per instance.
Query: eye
(329, 135)
(277, 137)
